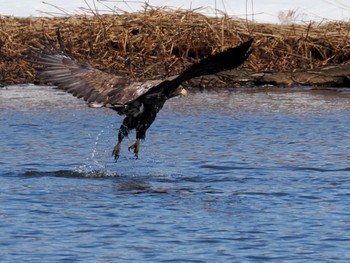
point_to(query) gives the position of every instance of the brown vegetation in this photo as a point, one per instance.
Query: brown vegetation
(158, 43)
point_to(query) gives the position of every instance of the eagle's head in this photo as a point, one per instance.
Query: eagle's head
(180, 91)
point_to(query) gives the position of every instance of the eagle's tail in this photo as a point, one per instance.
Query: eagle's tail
(226, 60)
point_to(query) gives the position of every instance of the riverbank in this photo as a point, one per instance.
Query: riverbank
(157, 43)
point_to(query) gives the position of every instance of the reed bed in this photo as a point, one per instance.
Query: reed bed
(157, 43)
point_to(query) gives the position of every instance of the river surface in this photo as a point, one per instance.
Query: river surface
(234, 176)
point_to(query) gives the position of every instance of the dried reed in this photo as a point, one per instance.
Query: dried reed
(157, 43)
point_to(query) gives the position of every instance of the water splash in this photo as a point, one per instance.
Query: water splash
(94, 166)
(94, 151)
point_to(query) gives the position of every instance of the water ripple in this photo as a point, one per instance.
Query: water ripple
(235, 176)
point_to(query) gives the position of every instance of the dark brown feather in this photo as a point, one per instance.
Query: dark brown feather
(83, 81)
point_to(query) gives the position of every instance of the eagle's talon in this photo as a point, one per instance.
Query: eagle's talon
(116, 151)
(136, 147)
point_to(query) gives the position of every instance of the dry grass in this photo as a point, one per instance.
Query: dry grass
(158, 43)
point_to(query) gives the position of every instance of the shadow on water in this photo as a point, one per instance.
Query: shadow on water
(73, 174)
(131, 184)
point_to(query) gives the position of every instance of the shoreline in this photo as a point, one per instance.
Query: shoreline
(48, 98)
(157, 44)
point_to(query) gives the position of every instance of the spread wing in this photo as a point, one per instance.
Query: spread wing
(226, 60)
(55, 65)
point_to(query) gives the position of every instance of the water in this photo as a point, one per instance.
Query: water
(240, 176)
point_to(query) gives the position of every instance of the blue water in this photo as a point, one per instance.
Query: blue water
(241, 176)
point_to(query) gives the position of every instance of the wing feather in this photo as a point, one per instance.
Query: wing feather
(56, 66)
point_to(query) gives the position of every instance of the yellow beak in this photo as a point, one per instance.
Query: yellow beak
(183, 92)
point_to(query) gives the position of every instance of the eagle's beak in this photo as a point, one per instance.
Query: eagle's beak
(183, 92)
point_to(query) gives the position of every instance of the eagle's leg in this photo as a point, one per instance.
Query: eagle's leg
(116, 151)
(123, 132)
(136, 147)
(140, 135)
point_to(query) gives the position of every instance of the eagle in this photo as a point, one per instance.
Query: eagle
(139, 102)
